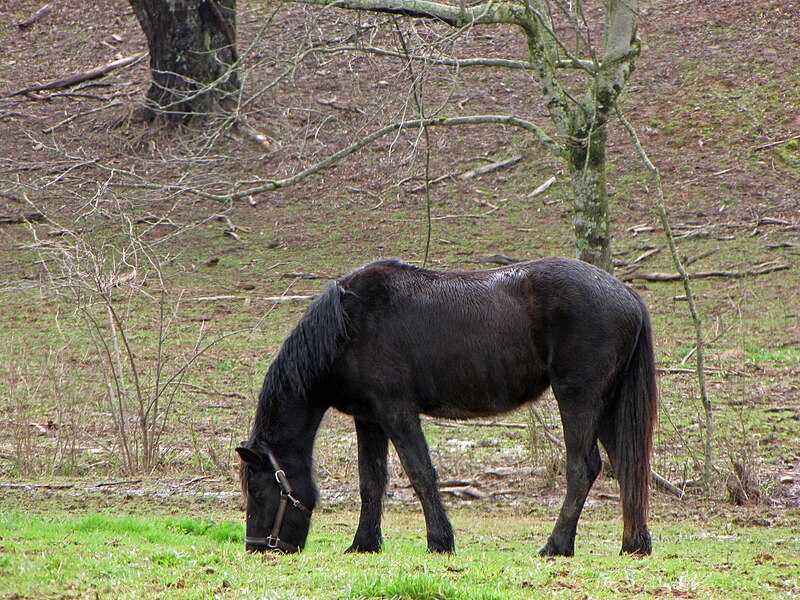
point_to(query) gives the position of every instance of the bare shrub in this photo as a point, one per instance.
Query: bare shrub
(110, 279)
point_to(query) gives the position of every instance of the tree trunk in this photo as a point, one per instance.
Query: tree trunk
(192, 56)
(587, 169)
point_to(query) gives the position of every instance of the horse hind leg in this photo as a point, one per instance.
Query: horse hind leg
(636, 535)
(373, 448)
(583, 467)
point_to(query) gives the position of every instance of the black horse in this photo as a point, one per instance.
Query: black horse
(389, 341)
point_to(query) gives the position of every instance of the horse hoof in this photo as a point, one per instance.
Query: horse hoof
(441, 548)
(551, 549)
(363, 549)
(640, 544)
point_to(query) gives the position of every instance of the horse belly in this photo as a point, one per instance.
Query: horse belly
(463, 385)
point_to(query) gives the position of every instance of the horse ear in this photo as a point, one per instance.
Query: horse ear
(249, 455)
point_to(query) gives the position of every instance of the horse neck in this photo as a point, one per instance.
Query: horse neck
(289, 428)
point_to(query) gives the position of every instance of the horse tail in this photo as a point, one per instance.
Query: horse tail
(305, 355)
(637, 409)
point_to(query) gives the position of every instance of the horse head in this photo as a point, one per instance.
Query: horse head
(278, 515)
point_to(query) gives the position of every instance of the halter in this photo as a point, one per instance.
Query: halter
(273, 540)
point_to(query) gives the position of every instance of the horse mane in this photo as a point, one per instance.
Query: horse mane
(305, 355)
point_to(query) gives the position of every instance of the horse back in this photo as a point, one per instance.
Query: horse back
(478, 343)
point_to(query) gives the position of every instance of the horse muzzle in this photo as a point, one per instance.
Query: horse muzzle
(270, 544)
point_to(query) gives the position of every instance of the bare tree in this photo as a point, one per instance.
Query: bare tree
(579, 103)
(193, 56)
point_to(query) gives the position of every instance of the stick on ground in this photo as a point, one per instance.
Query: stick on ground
(80, 77)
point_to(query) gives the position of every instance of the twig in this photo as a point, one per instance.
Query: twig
(82, 76)
(305, 276)
(113, 483)
(495, 166)
(757, 270)
(480, 424)
(665, 485)
(79, 115)
(461, 63)
(258, 298)
(191, 387)
(195, 480)
(542, 188)
(24, 24)
(21, 218)
(777, 143)
(262, 186)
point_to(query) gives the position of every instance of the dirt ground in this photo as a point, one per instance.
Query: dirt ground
(714, 98)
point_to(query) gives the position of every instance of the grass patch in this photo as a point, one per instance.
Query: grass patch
(161, 556)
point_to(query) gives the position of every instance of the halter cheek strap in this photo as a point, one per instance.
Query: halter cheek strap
(273, 541)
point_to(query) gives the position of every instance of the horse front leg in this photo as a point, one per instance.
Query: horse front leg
(412, 448)
(373, 449)
(583, 466)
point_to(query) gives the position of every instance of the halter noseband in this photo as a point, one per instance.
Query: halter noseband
(273, 540)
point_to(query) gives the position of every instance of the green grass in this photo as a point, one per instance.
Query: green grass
(163, 556)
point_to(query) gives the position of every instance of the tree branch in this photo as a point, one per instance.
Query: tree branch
(540, 134)
(266, 186)
(456, 16)
(447, 61)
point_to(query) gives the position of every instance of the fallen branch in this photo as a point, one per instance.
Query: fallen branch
(81, 77)
(305, 276)
(495, 166)
(114, 483)
(501, 164)
(480, 424)
(422, 187)
(258, 298)
(24, 24)
(646, 254)
(21, 218)
(778, 409)
(465, 492)
(46, 486)
(542, 188)
(193, 481)
(757, 270)
(665, 486)
(777, 143)
(497, 259)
